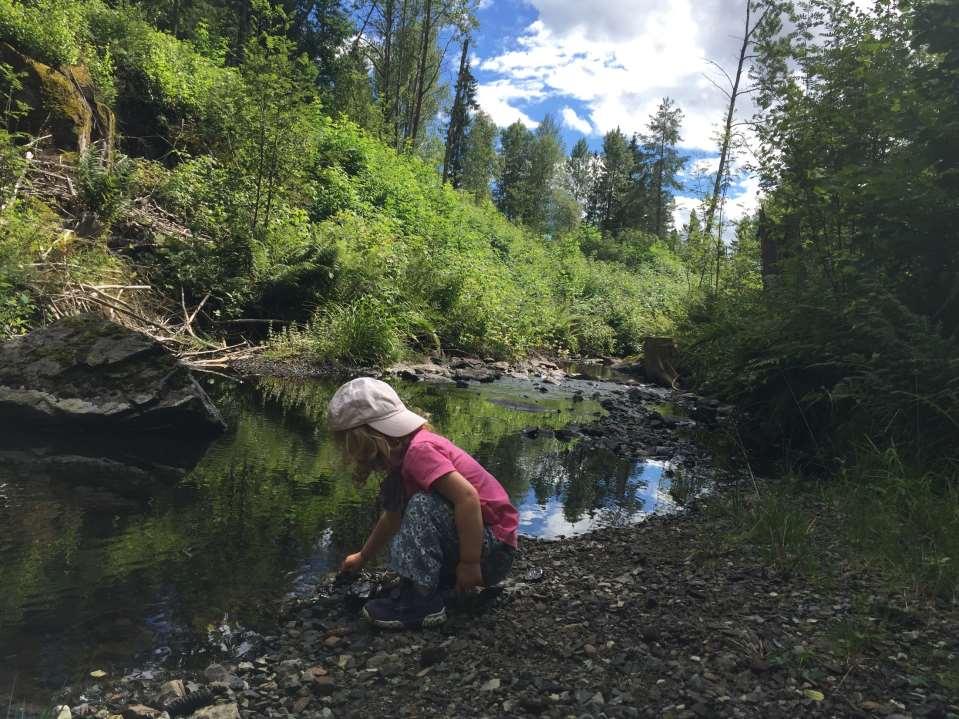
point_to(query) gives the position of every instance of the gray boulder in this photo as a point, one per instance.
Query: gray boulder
(87, 373)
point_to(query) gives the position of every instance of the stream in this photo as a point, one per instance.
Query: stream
(120, 556)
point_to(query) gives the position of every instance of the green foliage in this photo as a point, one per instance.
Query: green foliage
(299, 217)
(854, 338)
(823, 373)
(103, 186)
(48, 30)
(907, 519)
(17, 303)
(364, 332)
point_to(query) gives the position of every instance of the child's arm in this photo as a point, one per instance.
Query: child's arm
(386, 526)
(469, 524)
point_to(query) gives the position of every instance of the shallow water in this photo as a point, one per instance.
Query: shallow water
(131, 555)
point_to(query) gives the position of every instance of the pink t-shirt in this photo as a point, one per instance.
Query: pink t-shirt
(430, 457)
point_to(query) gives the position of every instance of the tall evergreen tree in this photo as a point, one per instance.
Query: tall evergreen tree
(545, 159)
(660, 144)
(463, 103)
(512, 183)
(479, 157)
(637, 209)
(613, 185)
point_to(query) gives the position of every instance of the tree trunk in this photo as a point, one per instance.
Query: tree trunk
(387, 101)
(728, 129)
(659, 360)
(421, 72)
(400, 67)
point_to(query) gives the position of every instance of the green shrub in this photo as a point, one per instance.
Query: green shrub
(104, 187)
(821, 371)
(47, 30)
(27, 229)
(366, 331)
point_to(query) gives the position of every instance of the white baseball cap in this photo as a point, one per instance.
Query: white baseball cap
(365, 400)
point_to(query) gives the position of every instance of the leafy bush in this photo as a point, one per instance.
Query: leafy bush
(48, 30)
(104, 187)
(365, 331)
(820, 372)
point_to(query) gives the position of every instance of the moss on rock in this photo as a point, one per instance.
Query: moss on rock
(62, 103)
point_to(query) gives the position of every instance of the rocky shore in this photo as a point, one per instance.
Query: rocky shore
(675, 617)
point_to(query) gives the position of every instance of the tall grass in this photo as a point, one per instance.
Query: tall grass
(879, 513)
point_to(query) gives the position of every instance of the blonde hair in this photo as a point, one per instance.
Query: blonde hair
(367, 449)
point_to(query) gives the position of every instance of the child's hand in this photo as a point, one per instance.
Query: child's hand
(468, 576)
(353, 563)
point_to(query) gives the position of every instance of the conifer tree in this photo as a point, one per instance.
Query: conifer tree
(613, 184)
(463, 103)
(661, 145)
(479, 157)
(512, 184)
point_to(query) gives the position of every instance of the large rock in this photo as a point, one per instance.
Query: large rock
(87, 373)
(61, 102)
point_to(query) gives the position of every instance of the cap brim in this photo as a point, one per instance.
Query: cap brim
(399, 424)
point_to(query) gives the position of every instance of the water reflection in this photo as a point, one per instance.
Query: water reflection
(107, 553)
(623, 492)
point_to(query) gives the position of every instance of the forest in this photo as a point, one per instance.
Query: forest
(319, 176)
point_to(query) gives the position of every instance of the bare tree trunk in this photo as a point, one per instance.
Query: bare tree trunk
(659, 185)
(730, 112)
(421, 72)
(400, 66)
(387, 71)
(260, 159)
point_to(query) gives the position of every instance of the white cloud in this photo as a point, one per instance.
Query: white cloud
(494, 98)
(575, 122)
(745, 202)
(682, 209)
(704, 165)
(620, 59)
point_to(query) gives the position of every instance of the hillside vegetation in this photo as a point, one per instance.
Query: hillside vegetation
(292, 212)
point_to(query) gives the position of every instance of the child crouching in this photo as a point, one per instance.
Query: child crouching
(449, 522)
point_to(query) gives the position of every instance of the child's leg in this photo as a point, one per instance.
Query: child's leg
(426, 549)
(427, 546)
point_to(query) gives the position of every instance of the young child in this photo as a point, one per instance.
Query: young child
(450, 521)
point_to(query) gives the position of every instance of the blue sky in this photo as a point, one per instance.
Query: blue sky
(604, 64)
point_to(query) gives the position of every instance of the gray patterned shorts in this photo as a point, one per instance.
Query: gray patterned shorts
(426, 549)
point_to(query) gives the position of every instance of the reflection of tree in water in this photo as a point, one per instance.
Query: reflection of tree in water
(596, 478)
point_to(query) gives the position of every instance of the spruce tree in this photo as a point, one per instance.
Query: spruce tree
(512, 184)
(464, 102)
(661, 145)
(613, 184)
(479, 157)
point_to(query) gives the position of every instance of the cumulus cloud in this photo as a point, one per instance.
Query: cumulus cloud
(620, 59)
(704, 165)
(575, 122)
(682, 209)
(494, 98)
(745, 201)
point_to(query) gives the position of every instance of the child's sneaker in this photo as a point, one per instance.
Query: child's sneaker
(406, 608)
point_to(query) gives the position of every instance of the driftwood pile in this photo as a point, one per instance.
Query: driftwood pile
(51, 178)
